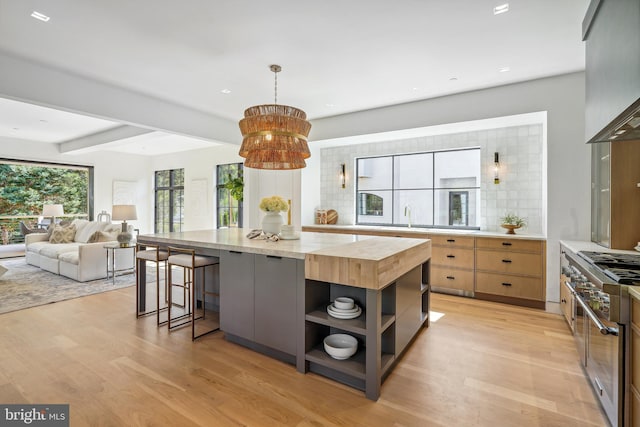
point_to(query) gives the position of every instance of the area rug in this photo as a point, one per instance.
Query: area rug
(24, 286)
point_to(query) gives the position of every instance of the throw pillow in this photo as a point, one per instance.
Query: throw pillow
(84, 234)
(62, 234)
(103, 236)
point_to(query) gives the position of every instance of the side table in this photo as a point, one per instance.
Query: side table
(111, 249)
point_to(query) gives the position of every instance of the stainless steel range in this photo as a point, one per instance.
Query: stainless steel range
(598, 283)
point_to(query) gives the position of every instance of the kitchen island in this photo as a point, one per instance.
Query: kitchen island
(274, 296)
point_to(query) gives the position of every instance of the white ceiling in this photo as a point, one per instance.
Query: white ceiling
(337, 56)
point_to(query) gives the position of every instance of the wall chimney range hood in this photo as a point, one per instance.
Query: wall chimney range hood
(625, 127)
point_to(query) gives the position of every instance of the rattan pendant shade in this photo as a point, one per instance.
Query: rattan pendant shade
(274, 136)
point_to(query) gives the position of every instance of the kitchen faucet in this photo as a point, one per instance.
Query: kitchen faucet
(407, 213)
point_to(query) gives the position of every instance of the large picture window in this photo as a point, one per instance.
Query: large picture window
(169, 200)
(432, 189)
(26, 186)
(229, 199)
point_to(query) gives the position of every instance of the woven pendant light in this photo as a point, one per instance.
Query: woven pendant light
(274, 136)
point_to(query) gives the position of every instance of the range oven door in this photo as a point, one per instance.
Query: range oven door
(604, 349)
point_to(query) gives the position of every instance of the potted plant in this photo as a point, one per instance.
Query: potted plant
(512, 222)
(235, 187)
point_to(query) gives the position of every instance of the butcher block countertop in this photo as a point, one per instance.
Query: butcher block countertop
(361, 261)
(370, 264)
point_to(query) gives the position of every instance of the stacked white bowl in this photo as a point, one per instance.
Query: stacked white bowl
(344, 308)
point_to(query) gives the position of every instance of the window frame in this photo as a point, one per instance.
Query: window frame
(394, 190)
(220, 188)
(172, 188)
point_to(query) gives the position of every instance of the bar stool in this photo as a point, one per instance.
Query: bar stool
(190, 263)
(151, 253)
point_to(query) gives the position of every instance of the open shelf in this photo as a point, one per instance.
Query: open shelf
(402, 307)
(354, 366)
(320, 316)
(357, 325)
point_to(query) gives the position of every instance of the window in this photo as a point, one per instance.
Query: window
(370, 204)
(169, 200)
(433, 189)
(229, 208)
(26, 186)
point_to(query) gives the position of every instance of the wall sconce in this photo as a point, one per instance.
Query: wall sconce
(496, 168)
(343, 177)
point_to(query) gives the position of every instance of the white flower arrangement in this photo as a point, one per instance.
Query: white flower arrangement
(274, 204)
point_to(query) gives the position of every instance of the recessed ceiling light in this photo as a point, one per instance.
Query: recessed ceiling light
(415, 89)
(226, 91)
(41, 16)
(330, 105)
(501, 9)
(453, 79)
(504, 69)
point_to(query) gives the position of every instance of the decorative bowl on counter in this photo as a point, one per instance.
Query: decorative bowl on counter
(340, 346)
(510, 228)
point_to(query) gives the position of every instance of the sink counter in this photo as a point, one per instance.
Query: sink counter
(417, 232)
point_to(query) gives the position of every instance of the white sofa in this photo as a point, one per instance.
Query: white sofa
(79, 259)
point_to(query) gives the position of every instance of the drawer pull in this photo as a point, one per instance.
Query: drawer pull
(506, 243)
(506, 284)
(451, 240)
(235, 252)
(451, 278)
(507, 261)
(451, 256)
(274, 257)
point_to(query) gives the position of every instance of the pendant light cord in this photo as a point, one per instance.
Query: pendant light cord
(276, 69)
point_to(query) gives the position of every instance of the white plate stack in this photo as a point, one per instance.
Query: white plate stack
(344, 308)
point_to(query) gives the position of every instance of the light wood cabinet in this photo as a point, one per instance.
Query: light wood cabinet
(615, 206)
(511, 270)
(634, 364)
(567, 302)
(452, 264)
(504, 269)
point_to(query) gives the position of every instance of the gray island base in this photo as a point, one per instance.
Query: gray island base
(274, 296)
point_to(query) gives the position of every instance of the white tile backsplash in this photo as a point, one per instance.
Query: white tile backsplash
(520, 189)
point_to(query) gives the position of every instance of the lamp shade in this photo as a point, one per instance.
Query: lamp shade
(52, 210)
(124, 212)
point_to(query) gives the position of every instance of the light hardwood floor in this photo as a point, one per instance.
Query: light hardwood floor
(480, 364)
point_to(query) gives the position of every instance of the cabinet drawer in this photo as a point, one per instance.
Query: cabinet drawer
(635, 408)
(509, 262)
(509, 286)
(507, 244)
(445, 277)
(635, 313)
(452, 257)
(452, 240)
(635, 358)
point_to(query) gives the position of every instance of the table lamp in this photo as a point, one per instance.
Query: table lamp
(52, 211)
(124, 213)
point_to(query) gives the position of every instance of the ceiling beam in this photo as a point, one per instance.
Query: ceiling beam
(32, 82)
(102, 137)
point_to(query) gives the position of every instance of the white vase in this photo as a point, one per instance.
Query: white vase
(272, 222)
